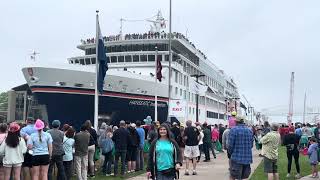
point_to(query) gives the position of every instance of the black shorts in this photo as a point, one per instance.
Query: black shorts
(132, 154)
(40, 160)
(270, 166)
(27, 160)
(239, 171)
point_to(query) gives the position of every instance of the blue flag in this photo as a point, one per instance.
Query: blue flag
(102, 60)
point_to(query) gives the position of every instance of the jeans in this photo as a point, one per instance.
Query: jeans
(213, 146)
(91, 151)
(68, 169)
(206, 148)
(119, 154)
(56, 159)
(295, 154)
(81, 167)
(140, 159)
(106, 167)
(200, 150)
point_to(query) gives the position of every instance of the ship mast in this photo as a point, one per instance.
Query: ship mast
(291, 99)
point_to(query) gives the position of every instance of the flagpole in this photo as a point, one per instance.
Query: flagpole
(96, 96)
(170, 59)
(155, 89)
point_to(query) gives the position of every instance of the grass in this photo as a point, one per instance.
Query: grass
(305, 167)
(101, 176)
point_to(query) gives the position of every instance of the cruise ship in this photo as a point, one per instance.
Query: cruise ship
(66, 92)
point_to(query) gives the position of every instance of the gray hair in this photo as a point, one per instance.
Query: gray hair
(189, 123)
(274, 126)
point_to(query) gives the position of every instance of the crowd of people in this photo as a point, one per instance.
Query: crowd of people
(33, 150)
(149, 35)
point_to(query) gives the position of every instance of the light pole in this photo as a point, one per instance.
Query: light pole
(197, 96)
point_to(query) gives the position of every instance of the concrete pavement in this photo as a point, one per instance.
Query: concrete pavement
(216, 169)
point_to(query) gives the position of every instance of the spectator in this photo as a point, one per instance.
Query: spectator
(106, 145)
(166, 162)
(13, 149)
(120, 138)
(25, 133)
(313, 157)
(132, 147)
(3, 135)
(81, 144)
(200, 142)
(93, 143)
(291, 141)
(191, 151)
(317, 132)
(140, 155)
(57, 151)
(240, 148)
(270, 143)
(68, 144)
(41, 145)
(206, 142)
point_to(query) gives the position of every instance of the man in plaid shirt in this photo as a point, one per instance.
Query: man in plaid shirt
(240, 148)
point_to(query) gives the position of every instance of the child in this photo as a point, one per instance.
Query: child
(313, 156)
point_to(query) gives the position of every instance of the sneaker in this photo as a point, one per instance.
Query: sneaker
(194, 173)
(92, 176)
(186, 173)
(297, 176)
(108, 174)
(288, 175)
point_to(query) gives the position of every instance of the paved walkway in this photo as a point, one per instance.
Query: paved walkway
(216, 169)
(308, 178)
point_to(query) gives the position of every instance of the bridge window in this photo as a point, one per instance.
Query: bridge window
(128, 58)
(143, 58)
(120, 58)
(135, 58)
(87, 60)
(82, 61)
(93, 60)
(113, 59)
(151, 57)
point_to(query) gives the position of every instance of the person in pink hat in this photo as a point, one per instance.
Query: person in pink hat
(13, 149)
(40, 144)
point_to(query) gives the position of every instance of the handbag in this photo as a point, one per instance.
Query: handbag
(146, 147)
(96, 156)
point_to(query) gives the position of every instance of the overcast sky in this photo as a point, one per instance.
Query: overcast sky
(256, 42)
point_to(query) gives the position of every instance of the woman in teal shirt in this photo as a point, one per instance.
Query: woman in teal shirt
(163, 160)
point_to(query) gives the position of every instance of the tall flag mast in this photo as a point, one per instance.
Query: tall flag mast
(290, 114)
(101, 69)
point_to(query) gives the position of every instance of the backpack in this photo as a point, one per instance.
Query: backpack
(106, 145)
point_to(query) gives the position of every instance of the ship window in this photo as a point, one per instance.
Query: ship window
(87, 60)
(160, 57)
(71, 62)
(176, 91)
(93, 60)
(82, 61)
(120, 58)
(135, 58)
(128, 58)
(167, 58)
(76, 61)
(108, 59)
(118, 48)
(113, 59)
(151, 57)
(108, 49)
(113, 49)
(189, 110)
(180, 92)
(143, 58)
(130, 47)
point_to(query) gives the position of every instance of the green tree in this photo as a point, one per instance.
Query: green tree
(3, 101)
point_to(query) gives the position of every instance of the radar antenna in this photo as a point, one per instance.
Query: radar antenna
(158, 24)
(33, 55)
